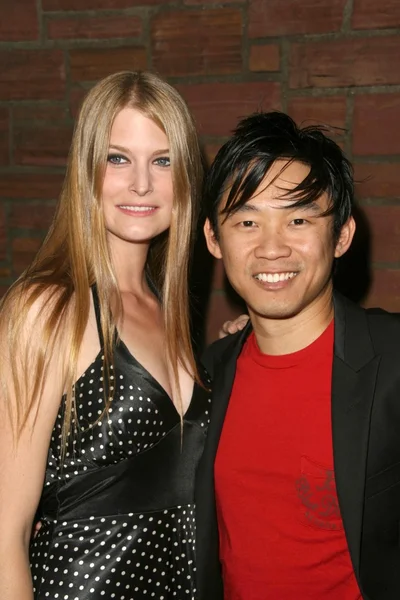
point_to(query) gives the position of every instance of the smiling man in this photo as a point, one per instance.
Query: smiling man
(298, 491)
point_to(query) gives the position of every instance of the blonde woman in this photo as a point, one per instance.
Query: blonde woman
(103, 410)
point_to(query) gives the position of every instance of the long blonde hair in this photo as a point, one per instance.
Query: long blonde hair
(75, 253)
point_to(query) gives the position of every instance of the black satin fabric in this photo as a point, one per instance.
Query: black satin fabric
(152, 480)
(118, 519)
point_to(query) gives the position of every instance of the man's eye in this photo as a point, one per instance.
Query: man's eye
(299, 221)
(116, 159)
(248, 223)
(163, 161)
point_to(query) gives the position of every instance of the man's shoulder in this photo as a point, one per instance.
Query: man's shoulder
(384, 329)
(383, 326)
(383, 316)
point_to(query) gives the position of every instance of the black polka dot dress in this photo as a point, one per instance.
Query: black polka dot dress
(118, 516)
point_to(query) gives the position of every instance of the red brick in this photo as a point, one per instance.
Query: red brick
(264, 58)
(18, 21)
(32, 74)
(370, 14)
(3, 289)
(206, 42)
(3, 234)
(30, 186)
(376, 118)
(23, 252)
(76, 97)
(377, 180)
(42, 146)
(341, 143)
(95, 4)
(287, 17)
(94, 27)
(91, 64)
(43, 113)
(350, 62)
(385, 290)
(218, 106)
(218, 276)
(384, 222)
(31, 215)
(4, 136)
(210, 151)
(220, 309)
(2, 217)
(207, 2)
(325, 110)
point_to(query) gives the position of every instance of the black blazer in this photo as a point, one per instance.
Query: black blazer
(366, 448)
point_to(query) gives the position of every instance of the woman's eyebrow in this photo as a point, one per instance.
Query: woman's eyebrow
(127, 151)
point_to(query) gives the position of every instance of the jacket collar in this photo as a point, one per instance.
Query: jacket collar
(353, 344)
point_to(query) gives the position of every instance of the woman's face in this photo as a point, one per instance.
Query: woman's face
(137, 189)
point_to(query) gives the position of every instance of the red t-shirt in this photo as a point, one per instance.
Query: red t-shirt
(281, 532)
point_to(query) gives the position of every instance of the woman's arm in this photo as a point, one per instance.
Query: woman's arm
(21, 478)
(23, 462)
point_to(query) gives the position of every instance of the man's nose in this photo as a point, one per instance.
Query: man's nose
(272, 245)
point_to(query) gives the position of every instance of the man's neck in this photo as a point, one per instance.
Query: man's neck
(287, 335)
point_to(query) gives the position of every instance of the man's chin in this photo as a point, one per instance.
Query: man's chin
(276, 313)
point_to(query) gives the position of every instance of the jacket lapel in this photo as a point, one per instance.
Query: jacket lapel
(208, 570)
(355, 367)
(223, 377)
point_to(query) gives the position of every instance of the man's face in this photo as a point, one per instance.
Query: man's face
(279, 258)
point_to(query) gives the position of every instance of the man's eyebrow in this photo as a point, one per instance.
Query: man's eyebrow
(313, 207)
(247, 207)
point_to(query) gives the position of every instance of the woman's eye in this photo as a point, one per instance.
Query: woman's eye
(248, 223)
(299, 221)
(163, 161)
(116, 159)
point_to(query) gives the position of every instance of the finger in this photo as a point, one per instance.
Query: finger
(226, 326)
(224, 331)
(242, 321)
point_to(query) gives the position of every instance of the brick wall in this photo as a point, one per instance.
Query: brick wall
(331, 61)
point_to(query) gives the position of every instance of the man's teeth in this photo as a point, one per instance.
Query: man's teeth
(275, 277)
(138, 208)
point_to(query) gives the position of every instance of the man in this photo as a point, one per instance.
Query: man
(298, 491)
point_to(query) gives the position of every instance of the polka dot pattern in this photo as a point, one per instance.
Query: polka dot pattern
(129, 556)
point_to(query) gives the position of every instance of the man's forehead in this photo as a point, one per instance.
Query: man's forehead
(259, 205)
(282, 188)
(282, 173)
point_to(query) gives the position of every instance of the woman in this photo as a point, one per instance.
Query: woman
(100, 321)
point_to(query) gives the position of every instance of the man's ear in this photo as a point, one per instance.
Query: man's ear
(345, 237)
(212, 242)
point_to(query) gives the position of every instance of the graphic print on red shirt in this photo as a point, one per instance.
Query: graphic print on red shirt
(281, 532)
